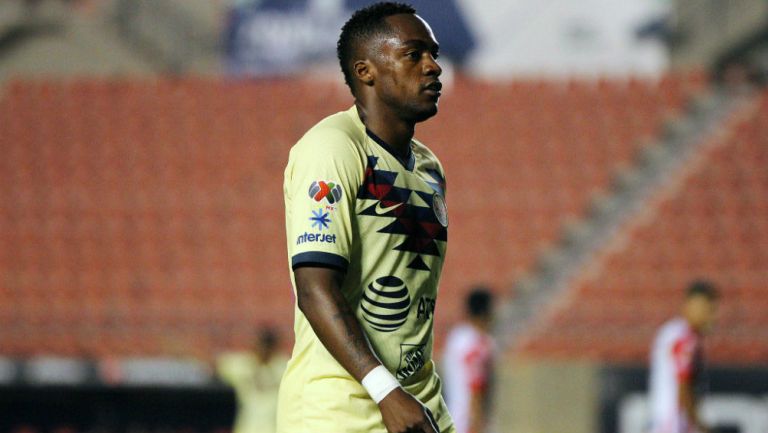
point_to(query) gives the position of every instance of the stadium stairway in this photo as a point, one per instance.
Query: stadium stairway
(678, 214)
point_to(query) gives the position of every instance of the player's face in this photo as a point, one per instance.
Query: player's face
(702, 311)
(407, 70)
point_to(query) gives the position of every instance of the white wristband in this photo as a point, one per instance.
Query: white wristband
(379, 382)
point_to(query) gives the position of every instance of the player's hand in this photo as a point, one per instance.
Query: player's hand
(402, 413)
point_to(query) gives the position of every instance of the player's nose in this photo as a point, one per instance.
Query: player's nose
(431, 67)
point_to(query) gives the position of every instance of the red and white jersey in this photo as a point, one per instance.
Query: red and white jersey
(467, 368)
(675, 359)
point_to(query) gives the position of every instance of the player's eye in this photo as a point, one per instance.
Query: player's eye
(435, 55)
(413, 55)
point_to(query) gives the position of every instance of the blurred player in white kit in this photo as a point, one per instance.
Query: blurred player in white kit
(677, 362)
(468, 365)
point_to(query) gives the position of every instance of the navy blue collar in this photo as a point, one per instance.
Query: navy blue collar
(409, 162)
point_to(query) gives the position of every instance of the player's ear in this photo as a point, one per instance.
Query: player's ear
(364, 71)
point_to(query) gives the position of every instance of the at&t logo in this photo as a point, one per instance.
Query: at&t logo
(385, 304)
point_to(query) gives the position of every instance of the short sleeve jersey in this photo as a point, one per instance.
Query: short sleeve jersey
(352, 204)
(676, 358)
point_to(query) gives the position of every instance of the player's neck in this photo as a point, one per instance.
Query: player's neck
(263, 359)
(481, 325)
(692, 324)
(396, 132)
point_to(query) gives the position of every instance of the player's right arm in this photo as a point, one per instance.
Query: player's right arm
(322, 179)
(320, 299)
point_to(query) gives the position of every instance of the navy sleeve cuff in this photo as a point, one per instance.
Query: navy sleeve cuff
(318, 258)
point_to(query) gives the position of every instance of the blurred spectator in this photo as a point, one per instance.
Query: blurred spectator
(255, 377)
(468, 364)
(677, 361)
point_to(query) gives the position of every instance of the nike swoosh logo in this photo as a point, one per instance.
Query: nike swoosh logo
(383, 210)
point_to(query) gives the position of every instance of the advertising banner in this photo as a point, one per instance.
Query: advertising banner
(489, 38)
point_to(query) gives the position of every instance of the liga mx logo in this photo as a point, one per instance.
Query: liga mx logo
(386, 304)
(320, 190)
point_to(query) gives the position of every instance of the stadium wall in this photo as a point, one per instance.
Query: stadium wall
(535, 395)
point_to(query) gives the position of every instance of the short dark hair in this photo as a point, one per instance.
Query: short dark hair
(479, 302)
(702, 288)
(362, 26)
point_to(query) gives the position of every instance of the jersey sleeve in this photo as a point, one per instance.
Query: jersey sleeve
(322, 177)
(682, 356)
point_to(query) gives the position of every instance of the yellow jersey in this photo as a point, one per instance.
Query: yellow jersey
(352, 204)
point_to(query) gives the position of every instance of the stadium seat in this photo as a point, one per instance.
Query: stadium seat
(714, 228)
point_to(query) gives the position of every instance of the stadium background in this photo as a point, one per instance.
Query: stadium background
(623, 149)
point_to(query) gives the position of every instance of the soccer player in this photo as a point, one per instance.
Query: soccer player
(468, 364)
(255, 377)
(366, 224)
(676, 363)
